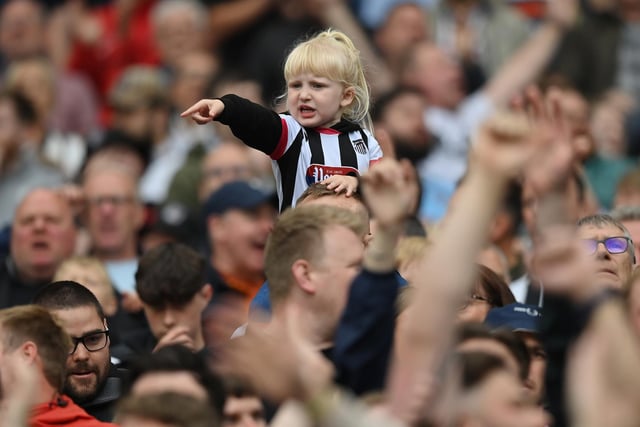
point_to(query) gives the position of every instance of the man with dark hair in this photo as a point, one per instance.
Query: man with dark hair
(32, 338)
(242, 406)
(487, 387)
(523, 320)
(91, 380)
(171, 284)
(159, 410)
(175, 368)
(477, 337)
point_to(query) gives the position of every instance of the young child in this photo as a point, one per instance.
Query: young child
(326, 135)
(91, 273)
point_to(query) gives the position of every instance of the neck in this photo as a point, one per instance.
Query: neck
(309, 325)
(507, 244)
(124, 254)
(198, 343)
(225, 265)
(45, 393)
(29, 276)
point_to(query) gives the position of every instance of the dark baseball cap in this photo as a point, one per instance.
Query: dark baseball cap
(241, 195)
(517, 317)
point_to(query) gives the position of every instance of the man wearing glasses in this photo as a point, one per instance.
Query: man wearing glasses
(91, 380)
(610, 244)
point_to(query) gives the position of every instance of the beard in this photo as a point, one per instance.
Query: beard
(82, 390)
(411, 150)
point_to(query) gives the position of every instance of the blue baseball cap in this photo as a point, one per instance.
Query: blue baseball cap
(240, 195)
(517, 317)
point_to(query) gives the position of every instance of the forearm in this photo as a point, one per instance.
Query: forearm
(449, 269)
(255, 125)
(380, 254)
(526, 65)
(611, 325)
(449, 264)
(335, 408)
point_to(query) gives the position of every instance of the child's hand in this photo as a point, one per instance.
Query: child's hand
(340, 183)
(204, 110)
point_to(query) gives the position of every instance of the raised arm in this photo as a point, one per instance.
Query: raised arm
(528, 62)
(255, 125)
(502, 148)
(364, 336)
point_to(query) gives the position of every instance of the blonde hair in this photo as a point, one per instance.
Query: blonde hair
(411, 249)
(299, 234)
(103, 289)
(331, 54)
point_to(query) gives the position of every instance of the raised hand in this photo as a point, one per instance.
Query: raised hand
(561, 263)
(552, 165)
(384, 187)
(281, 364)
(504, 145)
(204, 111)
(176, 335)
(562, 13)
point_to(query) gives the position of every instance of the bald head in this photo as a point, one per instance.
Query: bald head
(43, 234)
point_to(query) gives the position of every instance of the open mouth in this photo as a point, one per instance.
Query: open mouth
(306, 111)
(83, 375)
(258, 245)
(40, 245)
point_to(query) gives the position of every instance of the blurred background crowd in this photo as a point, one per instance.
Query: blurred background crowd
(103, 183)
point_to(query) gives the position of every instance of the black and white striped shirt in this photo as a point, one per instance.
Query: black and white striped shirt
(300, 156)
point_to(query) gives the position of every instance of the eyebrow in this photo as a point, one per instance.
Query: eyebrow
(94, 331)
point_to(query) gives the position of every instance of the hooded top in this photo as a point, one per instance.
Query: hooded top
(63, 412)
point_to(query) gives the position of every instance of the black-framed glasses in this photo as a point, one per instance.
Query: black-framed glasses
(93, 341)
(613, 245)
(474, 298)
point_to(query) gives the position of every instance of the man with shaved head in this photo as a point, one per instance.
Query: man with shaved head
(43, 235)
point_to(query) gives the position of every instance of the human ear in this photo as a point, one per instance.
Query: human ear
(302, 275)
(348, 95)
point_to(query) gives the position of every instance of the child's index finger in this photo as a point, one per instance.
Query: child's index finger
(193, 109)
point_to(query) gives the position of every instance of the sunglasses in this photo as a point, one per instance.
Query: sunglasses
(613, 245)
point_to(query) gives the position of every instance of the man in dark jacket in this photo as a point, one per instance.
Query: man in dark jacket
(92, 381)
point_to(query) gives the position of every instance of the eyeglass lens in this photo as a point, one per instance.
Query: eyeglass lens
(92, 342)
(614, 245)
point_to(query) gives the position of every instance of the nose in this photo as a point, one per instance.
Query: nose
(81, 352)
(168, 318)
(39, 223)
(249, 421)
(304, 93)
(602, 252)
(106, 206)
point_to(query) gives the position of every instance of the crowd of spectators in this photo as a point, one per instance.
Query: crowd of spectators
(483, 272)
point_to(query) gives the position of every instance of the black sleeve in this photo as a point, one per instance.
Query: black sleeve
(255, 125)
(562, 324)
(364, 337)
